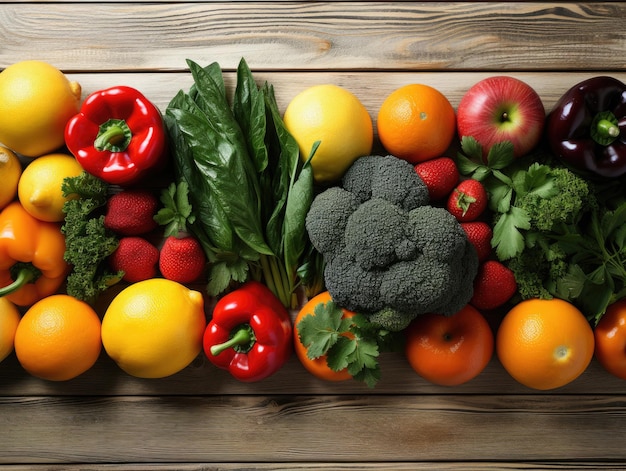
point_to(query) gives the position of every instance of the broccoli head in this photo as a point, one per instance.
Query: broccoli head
(388, 253)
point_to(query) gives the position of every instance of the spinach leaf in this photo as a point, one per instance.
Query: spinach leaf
(249, 111)
(221, 156)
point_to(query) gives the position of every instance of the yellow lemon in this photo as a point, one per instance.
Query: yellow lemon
(154, 328)
(10, 171)
(36, 102)
(9, 319)
(335, 117)
(39, 188)
(58, 338)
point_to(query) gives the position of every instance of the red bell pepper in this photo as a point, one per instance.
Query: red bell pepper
(118, 135)
(250, 334)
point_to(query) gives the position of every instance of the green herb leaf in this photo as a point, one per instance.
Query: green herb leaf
(222, 273)
(500, 155)
(471, 147)
(176, 212)
(507, 239)
(322, 329)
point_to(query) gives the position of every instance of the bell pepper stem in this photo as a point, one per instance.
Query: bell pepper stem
(607, 128)
(25, 274)
(242, 341)
(113, 135)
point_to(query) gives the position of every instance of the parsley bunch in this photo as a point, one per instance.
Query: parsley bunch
(562, 234)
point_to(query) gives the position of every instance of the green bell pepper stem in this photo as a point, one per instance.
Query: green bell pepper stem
(607, 129)
(113, 135)
(24, 273)
(242, 341)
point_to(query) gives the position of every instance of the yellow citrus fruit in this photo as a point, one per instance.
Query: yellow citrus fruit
(39, 187)
(335, 117)
(58, 338)
(154, 328)
(10, 172)
(9, 319)
(416, 122)
(36, 102)
(545, 343)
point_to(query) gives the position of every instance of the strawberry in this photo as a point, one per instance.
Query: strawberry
(182, 259)
(493, 286)
(136, 257)
(131, 212)
(440, 176)
(479, 233)
(468, 200)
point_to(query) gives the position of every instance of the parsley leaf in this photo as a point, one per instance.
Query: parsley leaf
(320, 331)
(508, 239)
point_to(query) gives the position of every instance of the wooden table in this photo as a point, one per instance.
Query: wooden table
(201, 419)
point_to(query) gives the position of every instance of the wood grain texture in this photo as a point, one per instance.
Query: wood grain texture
(318, 35)
(288, 428)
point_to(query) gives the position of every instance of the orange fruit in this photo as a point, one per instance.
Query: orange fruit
(58, 338)
(318, 366)
(449, 350)
(610, 337)
(545, 343)
(9, 320)
(416, 122)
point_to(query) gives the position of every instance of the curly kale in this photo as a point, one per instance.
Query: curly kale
(87, 242)
(386, 249)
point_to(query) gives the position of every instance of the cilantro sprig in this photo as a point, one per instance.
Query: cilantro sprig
(351, 343)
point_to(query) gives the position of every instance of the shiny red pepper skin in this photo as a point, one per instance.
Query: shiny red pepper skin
(573, 120)
(255, 309)
(134, 143)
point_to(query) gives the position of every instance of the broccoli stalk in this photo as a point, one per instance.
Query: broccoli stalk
(87, 242)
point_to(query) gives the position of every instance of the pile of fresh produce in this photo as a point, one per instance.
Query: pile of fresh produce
(231, 230)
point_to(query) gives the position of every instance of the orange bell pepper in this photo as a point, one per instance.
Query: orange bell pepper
(31, 256)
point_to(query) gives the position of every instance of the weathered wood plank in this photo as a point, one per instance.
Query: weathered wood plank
(282, 429)
(336, 466)
(318, 35)
(370, 87)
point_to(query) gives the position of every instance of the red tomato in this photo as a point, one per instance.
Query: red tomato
(449, 350)
(317, 367)
(610, 338)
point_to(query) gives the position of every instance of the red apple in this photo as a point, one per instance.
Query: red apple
(502, 108)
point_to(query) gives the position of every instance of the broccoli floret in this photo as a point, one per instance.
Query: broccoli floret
(392, 320)
(386, 249)
(538, 270)
(387, 178)
(570, 198)
(374, 230)
(330, 211)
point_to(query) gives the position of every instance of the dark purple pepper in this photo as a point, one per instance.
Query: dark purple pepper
(587, 127)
